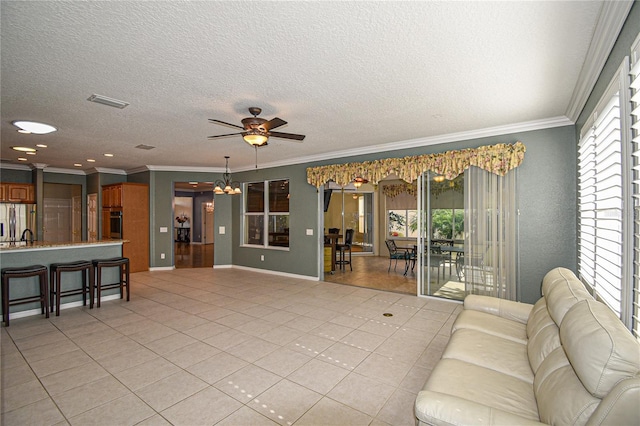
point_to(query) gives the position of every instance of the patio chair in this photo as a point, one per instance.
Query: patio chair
(394, 254)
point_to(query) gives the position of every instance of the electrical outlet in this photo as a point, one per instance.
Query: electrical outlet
(262, 257)
(161, 255)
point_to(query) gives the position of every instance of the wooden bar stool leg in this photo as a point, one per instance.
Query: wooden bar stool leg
(5, 300)
(126, 266)
(99, 283)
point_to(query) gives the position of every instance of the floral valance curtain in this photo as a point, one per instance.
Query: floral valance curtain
(497, 159)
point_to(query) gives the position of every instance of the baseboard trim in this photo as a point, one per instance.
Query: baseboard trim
(282, 274)
(63, 306)
(162, 268)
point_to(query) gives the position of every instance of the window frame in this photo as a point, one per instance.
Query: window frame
(266, 214)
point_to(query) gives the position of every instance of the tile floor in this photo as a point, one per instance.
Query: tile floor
(227, 347)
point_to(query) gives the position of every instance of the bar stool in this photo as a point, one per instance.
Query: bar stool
(39, 271)
(55, 276)
(122, 263)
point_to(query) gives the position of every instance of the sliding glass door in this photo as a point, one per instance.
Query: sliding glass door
(440, 248)
(351, 209)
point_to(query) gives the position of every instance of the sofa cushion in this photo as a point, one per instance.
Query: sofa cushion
(491, 324)
(543, 334)
(562, 291)
(562, 400)
(483, 386)
(613, 354)
(488, 351)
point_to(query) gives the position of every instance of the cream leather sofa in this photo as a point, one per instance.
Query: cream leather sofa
(567, 360)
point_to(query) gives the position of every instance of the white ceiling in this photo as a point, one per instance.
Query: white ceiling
(349, 75)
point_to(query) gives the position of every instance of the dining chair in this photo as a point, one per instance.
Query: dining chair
(394, 253)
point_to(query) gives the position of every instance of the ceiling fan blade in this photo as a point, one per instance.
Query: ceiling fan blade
(225, 123)
(228, 134)
(274, 123)
(287, 136)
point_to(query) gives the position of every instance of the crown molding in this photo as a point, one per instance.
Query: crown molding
(185, 169)
(11, 166)
(610, 22)
(526, 126)
(108, 171)
(64, 171)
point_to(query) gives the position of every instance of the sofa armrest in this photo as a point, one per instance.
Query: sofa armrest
(434, 408)
(508, 309)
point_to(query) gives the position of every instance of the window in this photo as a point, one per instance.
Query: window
(266, 213)
(635, 190)
(604, 164)
(402, 223)
(447, 224)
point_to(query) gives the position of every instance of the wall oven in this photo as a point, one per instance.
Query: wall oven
(115, 220)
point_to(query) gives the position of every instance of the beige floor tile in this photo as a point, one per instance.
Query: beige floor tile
(206, 407)
(318, 376)
(191, 354)
(214, 314)
(227, 339)
(127, 410)
(362, 393)
(253, 349)
(16, 374)
(304, 323)
(18, 396)
(125, 360)
(166, 392)
(363, 340)
(389, 371)
(246, 416)
(145, 374)
(398, 410)
(60, 362)
(170, 343)
(285, 402)
(310, 345)
(73, 377)
(415, 379)
(28, 327)
(83, 398)
(281, 335)
(50, 350)
(154, 332)
(344, 356)
(283, 361)
(43, 339)
(156, 420)
(330, 412)
(217, 367)
(42, 413)
(96, 337)
(247, 383)
(206, 330)
(235, 320)
(110, 348)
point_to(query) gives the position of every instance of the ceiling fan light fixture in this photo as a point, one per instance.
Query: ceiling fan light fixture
(255, 138)
(357, 182)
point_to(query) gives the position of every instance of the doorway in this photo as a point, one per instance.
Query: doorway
(62, 212)
(193, 225)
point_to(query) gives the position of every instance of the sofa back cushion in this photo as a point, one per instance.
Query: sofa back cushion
(561, 397)
(601, 350)
(562, 289)
(542, 333)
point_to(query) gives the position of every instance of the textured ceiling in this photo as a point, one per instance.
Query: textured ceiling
(348, 75)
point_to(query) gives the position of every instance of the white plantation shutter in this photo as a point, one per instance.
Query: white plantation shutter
(635, 190)
(600, 205)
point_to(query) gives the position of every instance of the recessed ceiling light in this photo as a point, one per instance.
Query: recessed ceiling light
(34, 127)
(41, 145)
(105, 100)
(193, 183)
(91, 160)
(30, 153)
(78, 165)
(23, 149)
(108, 155)
(22, 159)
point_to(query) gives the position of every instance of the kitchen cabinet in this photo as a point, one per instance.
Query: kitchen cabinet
(112, 195)
(132, 199)
(17, 193)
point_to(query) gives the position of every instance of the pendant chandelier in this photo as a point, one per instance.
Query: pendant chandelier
(226, 186)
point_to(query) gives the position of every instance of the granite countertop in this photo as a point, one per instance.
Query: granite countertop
(22, 245)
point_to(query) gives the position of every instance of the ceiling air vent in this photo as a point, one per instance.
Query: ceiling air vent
(104, 100)
(143, 146)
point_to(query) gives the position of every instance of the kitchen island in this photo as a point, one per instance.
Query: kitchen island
(45, 253)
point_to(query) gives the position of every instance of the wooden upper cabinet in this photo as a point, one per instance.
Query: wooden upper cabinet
(17, 193)
(112, 195)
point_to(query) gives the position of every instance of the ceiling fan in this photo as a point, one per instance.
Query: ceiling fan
(256, 131)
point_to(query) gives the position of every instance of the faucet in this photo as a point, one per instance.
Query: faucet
(22, 238)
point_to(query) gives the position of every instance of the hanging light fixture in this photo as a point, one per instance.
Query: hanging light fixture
(255, 137)
(226, 186)
(357, 182)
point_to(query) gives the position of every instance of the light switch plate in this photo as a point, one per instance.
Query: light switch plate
(309, 231)
(221, 230)
(164, 229)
